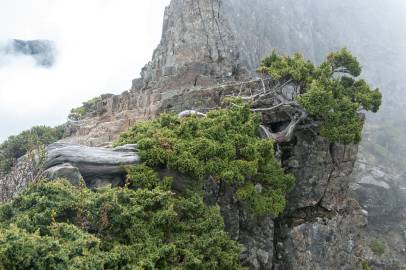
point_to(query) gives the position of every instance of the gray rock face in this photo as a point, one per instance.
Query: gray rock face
(255, 233)
(382, 197)
(98, 166)
(315, 239)
(66, 171)
(27, 169)
(377, 193)
(197, 47)
(321, 170)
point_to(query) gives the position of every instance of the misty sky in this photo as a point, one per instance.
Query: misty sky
(102, 45)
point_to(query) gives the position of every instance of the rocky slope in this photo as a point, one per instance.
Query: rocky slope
(201, 58)
(383, 197)
(209, 50)
(320, 228)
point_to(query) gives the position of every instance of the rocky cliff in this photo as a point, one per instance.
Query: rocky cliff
(320, 226)
(209, 50)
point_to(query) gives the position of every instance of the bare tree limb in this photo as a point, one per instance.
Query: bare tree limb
(285, 135)
(188, 113)
(273, 108)
(259, 97)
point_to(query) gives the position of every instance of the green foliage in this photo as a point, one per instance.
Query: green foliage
(53, 225)
(77, 113)
(294, 68)
(377, 247)
(17, 146)
(365, 265)
(331, 93)
(80, 112)
(142, 176)
(64, 244)
(223, 145)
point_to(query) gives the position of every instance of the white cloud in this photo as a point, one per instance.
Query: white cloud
(102, 45)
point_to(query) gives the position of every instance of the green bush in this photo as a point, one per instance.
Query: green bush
(331, 93)
(223, 145)
(17, 146)
(53, 225)
(80, 112)
(77, 113)
(142, 176)
(365, 265)
(377, 247)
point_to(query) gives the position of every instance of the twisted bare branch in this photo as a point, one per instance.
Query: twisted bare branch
(188, 113)
(263, 95)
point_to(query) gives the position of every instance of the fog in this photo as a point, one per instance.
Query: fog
(373, 30)
(101, 46)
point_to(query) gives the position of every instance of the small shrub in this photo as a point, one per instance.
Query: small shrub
(17, 146)
(80, 112)
(142, 176)
(365, 265)
(377, 247)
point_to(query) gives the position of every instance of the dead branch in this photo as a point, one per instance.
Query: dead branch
(293, 110)
(188, 113)
(285, 135)
(274, 107)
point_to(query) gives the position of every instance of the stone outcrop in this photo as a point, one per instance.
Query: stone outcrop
(98, 166)
(27, 169)
(65, 171)
(320, 228)
(95, 166)
(197, 48)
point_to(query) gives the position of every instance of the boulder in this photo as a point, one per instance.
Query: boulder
(98, 166)
(67, 171)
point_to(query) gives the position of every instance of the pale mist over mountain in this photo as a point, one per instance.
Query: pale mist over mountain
(100, 46)
(374, 31)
